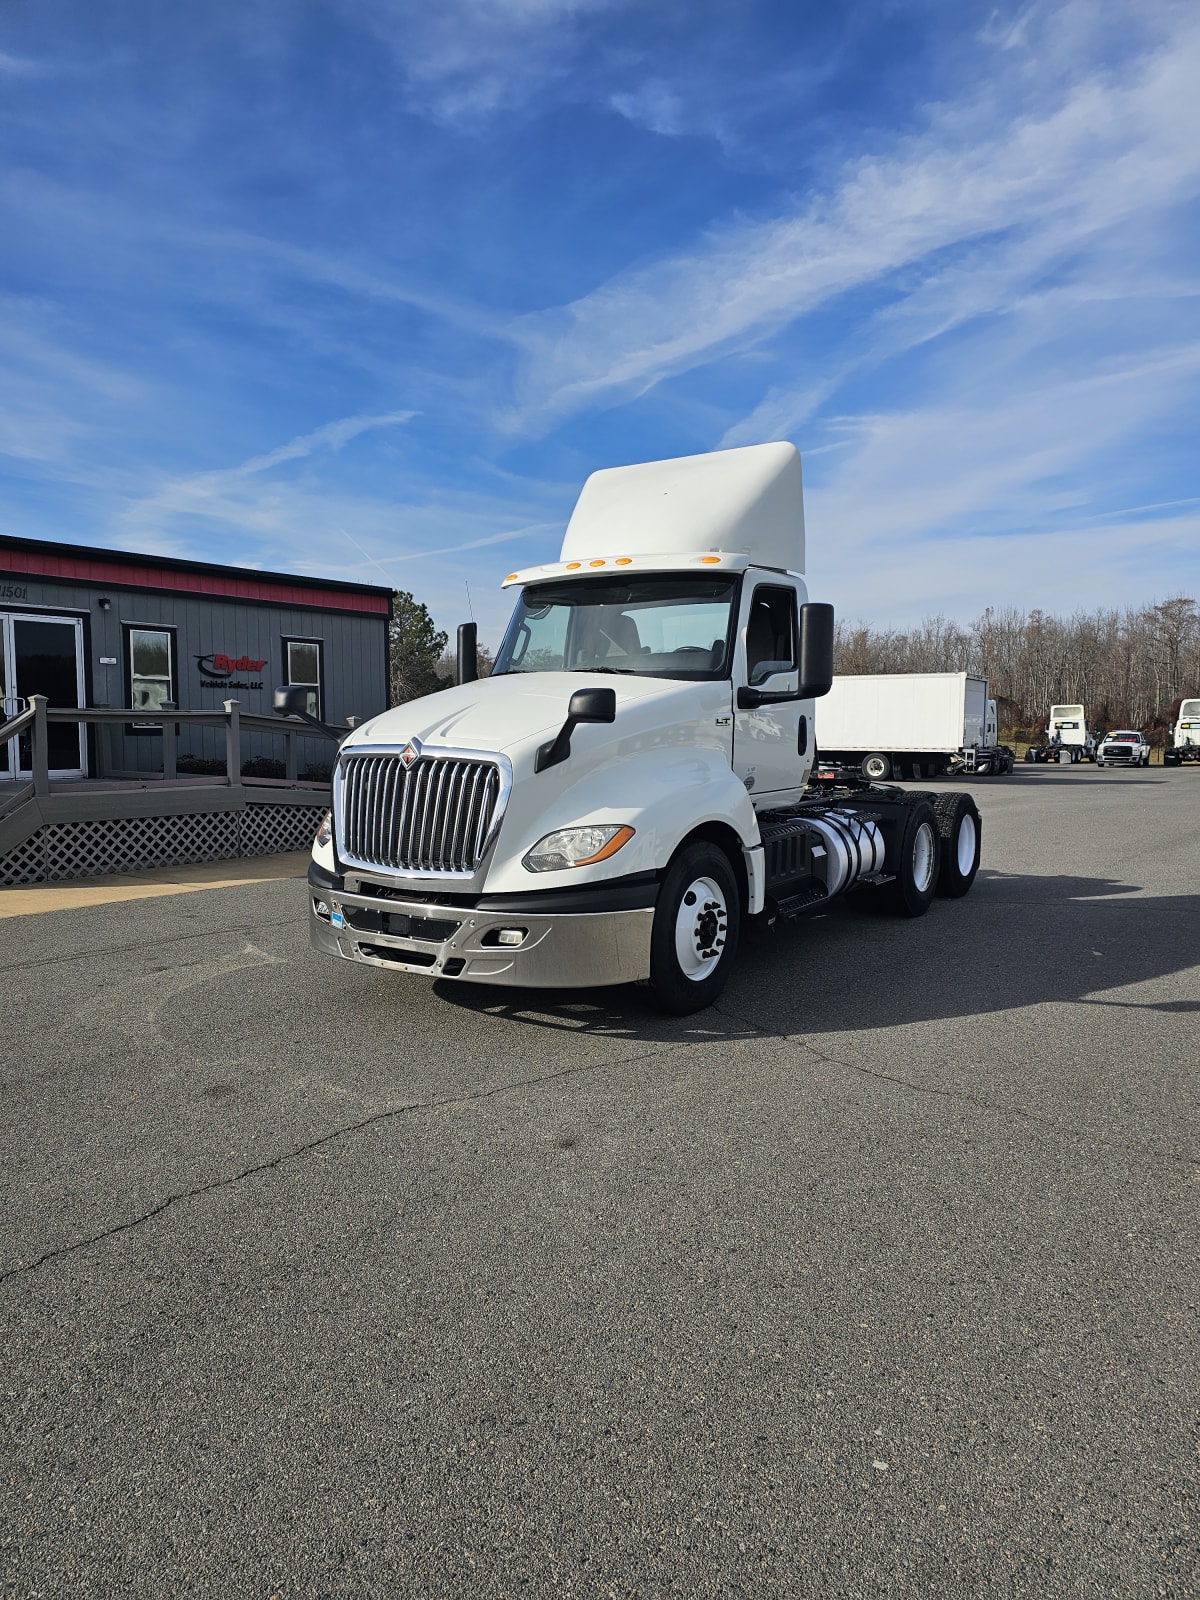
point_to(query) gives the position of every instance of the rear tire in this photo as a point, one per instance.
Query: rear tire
(876, 767)
(697, 922)
(917, 863)
(961, 831)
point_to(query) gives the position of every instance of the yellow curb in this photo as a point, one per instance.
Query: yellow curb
(69, 894)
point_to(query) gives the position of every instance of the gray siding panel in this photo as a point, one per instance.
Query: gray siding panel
(353, 658)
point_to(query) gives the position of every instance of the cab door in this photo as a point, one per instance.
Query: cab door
(771, 741)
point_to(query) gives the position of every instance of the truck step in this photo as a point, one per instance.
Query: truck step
(794, 905)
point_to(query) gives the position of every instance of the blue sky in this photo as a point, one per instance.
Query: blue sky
(366, 288)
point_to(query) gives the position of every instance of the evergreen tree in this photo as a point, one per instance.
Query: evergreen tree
(415, 645)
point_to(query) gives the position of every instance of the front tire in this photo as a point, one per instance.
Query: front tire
(918, 861)
(697, 922)
(961, 831)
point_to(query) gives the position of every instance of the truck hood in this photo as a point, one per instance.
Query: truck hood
(506, 713)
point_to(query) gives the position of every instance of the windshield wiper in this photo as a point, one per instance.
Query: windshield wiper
(630, 672)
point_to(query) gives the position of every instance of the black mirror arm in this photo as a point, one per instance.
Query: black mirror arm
(558, 748)
(336, 734)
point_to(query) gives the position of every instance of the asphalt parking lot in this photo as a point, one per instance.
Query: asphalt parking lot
(879, 1280)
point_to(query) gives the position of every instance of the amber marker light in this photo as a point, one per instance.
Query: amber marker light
(574, 566)
(595, 563)
(621, 837)
(711, 561)
(512, 578)
(624, 561)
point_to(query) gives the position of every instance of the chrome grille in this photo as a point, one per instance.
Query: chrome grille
(435, 816)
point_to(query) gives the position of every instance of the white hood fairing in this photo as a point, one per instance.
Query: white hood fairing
(669, 737)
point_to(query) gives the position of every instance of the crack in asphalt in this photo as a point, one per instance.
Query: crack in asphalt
(26, 1267)
(1181, 1159)
(140, 946)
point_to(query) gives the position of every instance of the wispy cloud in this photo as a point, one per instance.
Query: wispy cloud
(331, 436)
(654, 105)
(465, 60)
(19, 66)
(1108, 152)
(220, 495)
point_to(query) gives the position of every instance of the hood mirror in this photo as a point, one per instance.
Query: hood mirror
(585, 705)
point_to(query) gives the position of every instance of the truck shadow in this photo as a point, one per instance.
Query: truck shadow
(1101, 776)
(1015, 941)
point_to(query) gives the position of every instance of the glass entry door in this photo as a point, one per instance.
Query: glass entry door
(42, 655)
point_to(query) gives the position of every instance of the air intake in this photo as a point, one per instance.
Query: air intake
(437, 815)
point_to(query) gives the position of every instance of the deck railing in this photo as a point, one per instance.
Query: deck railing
(38, 715)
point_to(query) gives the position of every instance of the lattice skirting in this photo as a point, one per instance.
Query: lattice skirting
(126, 844)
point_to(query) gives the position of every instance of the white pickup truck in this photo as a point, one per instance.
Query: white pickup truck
(631, 783)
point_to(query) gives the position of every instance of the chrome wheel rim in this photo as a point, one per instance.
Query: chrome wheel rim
(701, 928)
(966, 843)
(923, 857)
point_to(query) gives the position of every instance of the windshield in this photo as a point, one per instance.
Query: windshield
(657, 625)
(1190, 708)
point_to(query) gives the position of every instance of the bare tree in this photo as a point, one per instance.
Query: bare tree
(1125, 667)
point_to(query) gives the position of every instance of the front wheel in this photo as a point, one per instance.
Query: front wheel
(696, 925)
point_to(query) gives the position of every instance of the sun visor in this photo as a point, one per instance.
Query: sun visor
(749, 500)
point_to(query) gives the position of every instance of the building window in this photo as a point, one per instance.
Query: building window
(302, 665)
(151, 668)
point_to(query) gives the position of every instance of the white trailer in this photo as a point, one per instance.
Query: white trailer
(911, 724)
(631, 785)
(1185, 735)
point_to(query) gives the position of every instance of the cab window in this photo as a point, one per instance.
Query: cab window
(770, 633)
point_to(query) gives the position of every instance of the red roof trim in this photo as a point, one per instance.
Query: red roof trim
(97, 569)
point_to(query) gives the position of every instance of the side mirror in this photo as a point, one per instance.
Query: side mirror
(466, 670)
(585, 705)
(291, 700)
(816, 650)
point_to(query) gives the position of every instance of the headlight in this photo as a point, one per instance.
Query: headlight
(325, 831)
(577, 847)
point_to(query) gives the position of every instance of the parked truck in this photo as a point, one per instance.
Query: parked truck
(1066, 738)
(1185, 735)
(911, 724)
(630, 786)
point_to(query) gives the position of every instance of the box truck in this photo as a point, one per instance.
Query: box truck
(630, 786)
(911, 724)
(1185, 735)
(1066, 739)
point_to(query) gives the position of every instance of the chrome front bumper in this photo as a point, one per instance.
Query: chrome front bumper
(558, 951)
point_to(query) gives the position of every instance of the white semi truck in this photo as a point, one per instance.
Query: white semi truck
(631, 784)
(911, 724)
(1067, 738)
(1185, 735)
